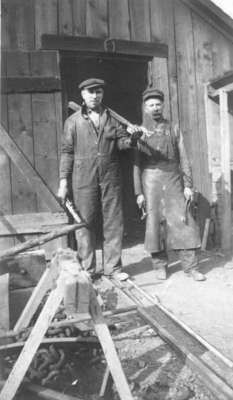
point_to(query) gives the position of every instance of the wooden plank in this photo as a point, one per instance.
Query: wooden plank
(119, 19)
(79, 17)
(226, 237)
(18, 63)
(20, 127)
(32, 344)
(4, 303)
(45, 283)
(222, 80)
(45, 19)
(29, 244)
(162, 28)
(97, 18)
(65, 17)
(116, 46)
(49, 394)
(5, 175)
(42, 392)
(159, 70)
(45, 141)
(109, 350)
(21, 32)
(4, 31)
(139, 20)
(27, 170)
(203, 39)
(59, 120)
(45, 63)
(31, 85)
(187, 85)
(26, 224)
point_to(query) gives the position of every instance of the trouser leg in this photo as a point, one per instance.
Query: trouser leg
(159, 263)
(86, 249)
(189, 259)
(112, 227)
(87, 205)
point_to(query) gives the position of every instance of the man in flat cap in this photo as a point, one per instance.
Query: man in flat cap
(164, 186)
(90, 157)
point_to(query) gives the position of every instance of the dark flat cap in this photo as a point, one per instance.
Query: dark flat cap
(91, 83)
(152, 93)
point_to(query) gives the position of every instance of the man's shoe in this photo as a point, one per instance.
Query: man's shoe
(161, 273)
(196, 275)
(119, 276)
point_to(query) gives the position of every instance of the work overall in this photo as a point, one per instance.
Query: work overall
(159, 163)
(91, 157)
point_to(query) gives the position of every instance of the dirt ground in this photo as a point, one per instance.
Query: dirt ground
(204, 306)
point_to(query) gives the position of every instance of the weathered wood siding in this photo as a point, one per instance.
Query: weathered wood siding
(197, 53)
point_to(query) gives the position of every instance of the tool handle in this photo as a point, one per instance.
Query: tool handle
(69, 206)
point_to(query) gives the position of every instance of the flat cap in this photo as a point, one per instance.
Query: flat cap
(91, 83)
(152, 93)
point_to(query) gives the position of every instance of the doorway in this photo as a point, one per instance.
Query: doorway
(126, 78)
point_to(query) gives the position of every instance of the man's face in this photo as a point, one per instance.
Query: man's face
(154, 107)
(93, 97)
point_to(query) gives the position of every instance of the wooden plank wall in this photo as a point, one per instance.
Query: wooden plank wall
(197, 53)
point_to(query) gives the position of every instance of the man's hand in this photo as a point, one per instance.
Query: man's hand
(62, 191)
(188, 194)
(141, 201)
(136, 131)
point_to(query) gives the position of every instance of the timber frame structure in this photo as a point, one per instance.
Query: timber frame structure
(188, 43)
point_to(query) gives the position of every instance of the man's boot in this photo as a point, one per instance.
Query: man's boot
(196, 275)
(159, 264)
(189, 262)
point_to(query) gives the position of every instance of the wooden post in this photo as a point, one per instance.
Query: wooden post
(109, 350)
(225, 172)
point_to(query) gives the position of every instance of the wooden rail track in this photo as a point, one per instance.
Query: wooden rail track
(213, 368)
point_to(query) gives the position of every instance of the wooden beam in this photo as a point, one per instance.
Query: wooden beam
(45, 283)
(4, 303)
(109, 350)
(108, 45)
(31, 84)
(48, 394)
(29, 244)
(31, 223)
(26, 168)
(222, 80)
(226, 237)
(208, 123)
(42, 392)
(32, 344)
(216, 92)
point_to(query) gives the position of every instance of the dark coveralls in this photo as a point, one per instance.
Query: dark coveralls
(91, 157)
(161, 172)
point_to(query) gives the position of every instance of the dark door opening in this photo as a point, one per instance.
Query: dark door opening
(126, 78)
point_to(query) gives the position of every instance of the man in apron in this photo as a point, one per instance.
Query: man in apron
(163, 185)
